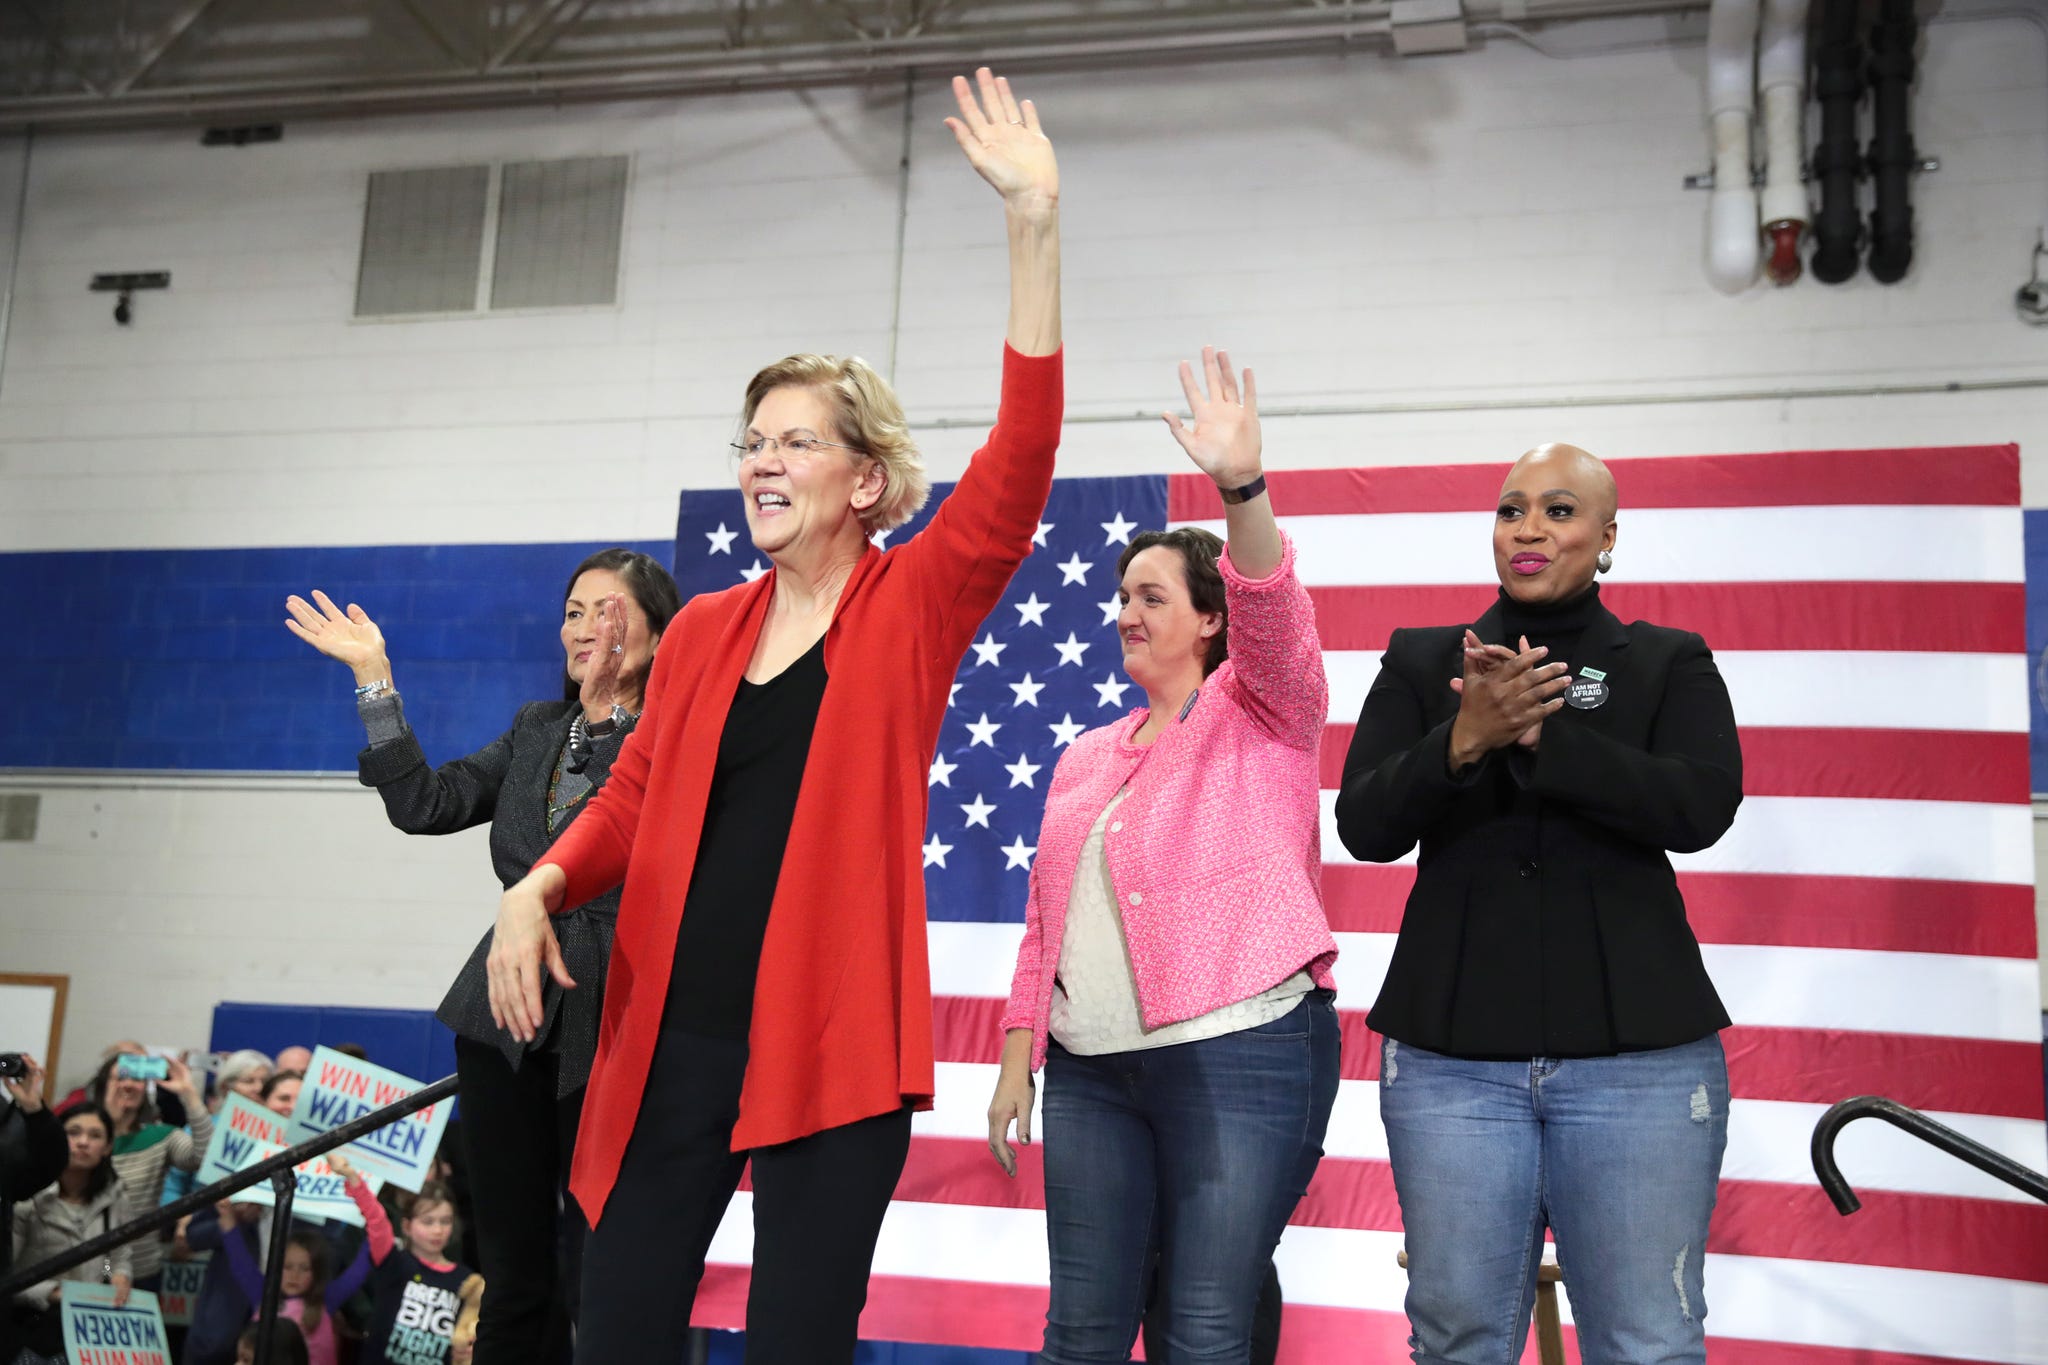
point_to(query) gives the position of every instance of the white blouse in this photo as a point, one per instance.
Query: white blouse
(1095, 995)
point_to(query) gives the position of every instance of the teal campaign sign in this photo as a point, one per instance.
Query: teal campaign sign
(320, 1194)
(182, 1281)
(237, 1129)
(98, 1333)
(339, 1089)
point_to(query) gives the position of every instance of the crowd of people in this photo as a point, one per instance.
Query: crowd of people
(710, 947)
(397, 1291)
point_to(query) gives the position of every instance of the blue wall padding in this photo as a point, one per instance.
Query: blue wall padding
(180, 658)
(410, 1042)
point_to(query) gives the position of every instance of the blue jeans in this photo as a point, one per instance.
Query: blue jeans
(1620, 1156)
(1199, 1151)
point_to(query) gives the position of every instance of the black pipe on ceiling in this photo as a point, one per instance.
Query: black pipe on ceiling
(1838, 84)
(1892, 157)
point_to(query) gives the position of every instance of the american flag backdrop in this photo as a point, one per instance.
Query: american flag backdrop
(1869, 919)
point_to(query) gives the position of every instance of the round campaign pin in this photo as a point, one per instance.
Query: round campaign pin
(1587, 691)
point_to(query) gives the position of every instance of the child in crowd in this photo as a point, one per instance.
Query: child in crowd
(417, 1293)
(287, 1347)
(308, 1293)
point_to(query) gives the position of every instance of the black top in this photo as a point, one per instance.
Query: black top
(747, 815)
(507, 783)
(1545, 919)
(415, 1307)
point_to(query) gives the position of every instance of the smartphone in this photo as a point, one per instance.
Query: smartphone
(204, 1063)
(142, 1068)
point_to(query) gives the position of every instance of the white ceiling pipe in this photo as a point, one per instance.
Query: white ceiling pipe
(1781, 82)
(1733, 250)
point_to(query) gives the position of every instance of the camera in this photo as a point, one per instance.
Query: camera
(13, 1066)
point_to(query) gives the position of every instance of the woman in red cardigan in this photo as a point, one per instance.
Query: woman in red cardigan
(769, 995)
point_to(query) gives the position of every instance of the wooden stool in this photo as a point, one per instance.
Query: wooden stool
(1549, 1332)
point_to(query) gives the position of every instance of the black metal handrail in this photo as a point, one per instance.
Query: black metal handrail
(284, 1185)
(1920, 1126)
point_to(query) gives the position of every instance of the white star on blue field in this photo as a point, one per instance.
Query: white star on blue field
(1043, 667)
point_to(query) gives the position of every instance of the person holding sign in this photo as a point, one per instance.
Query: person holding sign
(86, 1201)
(417, 1291)
(530, 784)
(771, 993)
(1552, 1049)
(309, 1293)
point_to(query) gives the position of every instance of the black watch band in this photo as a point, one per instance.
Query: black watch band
(1244, 494)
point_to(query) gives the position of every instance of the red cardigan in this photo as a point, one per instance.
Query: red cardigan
(842, 1026)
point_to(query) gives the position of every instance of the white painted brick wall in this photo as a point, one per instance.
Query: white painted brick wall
(1366, 231)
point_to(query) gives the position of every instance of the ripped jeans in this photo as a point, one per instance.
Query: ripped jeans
(1619, 1156)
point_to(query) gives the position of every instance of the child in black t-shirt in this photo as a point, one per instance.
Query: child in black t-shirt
(416, 1292)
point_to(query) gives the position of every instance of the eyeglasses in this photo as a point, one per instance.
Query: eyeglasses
(796, 445)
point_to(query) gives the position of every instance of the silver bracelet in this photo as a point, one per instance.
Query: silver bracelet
(370, 691)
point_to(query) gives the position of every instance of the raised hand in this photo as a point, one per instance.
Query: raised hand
(26, 1091)
(1223, 440)
(601, 678)
(350, 636)
(1500, 700)
(1003, 141)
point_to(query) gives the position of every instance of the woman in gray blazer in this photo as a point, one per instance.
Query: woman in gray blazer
(529, 784)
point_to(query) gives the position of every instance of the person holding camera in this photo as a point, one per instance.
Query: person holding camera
(33, 1153)
(144, 1146)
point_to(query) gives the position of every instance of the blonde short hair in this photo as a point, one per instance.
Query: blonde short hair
(868, 415)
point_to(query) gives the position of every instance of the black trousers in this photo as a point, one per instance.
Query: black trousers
(818, 1206)
(517, 1140)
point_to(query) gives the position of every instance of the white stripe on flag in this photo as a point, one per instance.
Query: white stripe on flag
(1767, 1139)
(1678, 545)
(1764, 986)
(1829, 689)
(1844, 837)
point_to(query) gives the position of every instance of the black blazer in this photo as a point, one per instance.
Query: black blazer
(1545, 919)
(506, 782)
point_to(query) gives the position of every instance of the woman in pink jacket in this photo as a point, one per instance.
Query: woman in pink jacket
(1175, 947)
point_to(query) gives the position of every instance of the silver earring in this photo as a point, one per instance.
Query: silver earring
(1605, 561)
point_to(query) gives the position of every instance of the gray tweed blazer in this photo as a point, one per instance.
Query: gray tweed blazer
(506, 783)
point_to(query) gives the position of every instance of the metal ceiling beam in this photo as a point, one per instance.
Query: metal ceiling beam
(59, 49)
(431, 26)
(543, 23)
(706, 70)
(179, 27)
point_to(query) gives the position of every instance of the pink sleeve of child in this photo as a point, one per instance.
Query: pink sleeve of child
(376, 1222)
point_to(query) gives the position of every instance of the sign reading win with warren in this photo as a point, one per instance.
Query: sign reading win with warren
(320, 1192)
(340, 1089)
(241, 1126)
(98, 1333)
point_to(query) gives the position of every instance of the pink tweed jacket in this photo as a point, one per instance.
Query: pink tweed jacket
(1216, 854)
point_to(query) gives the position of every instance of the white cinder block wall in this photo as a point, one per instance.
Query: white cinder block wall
(1413, 242)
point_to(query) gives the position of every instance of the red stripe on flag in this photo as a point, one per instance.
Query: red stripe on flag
(1810, 1066)
(1879, 765)
(1968, 618)
(1885, 914)
(1970, 476)
(1928, 1232)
